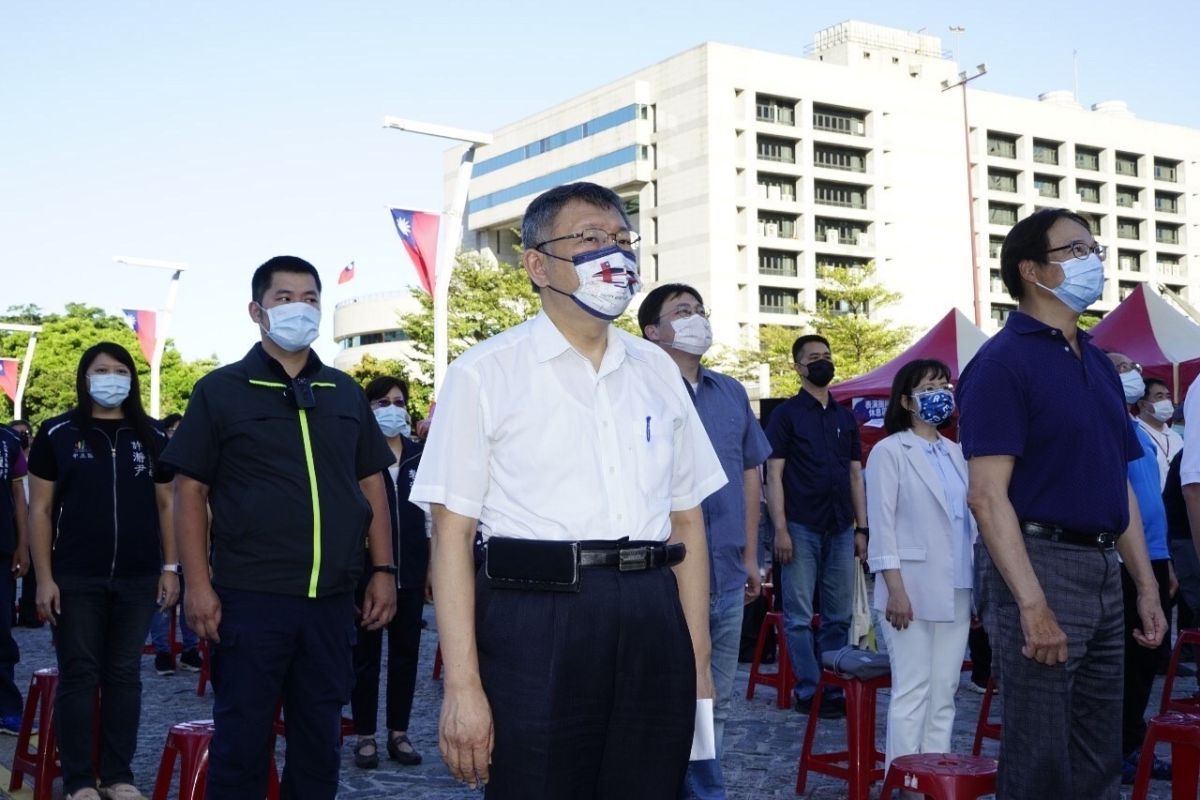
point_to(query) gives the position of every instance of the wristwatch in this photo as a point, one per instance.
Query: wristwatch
(178, 570)
(390, 569)
(864, 531)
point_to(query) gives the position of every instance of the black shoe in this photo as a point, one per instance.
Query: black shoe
(833, 707)
(164, 663)
(366, 760)
(190, 660)
(409, 757)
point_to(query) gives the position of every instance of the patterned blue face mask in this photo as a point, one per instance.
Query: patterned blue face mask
(935, 406)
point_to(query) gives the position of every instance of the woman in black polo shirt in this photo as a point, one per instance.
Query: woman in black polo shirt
(410, 542)
(100, 507)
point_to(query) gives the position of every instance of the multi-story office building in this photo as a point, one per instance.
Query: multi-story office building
(746, 171)
(370, 325)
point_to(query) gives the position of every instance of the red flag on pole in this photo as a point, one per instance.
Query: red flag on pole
(142, 322)
(8, 377)
(419, 232)
(347, 273)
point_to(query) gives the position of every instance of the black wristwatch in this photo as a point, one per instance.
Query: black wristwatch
(390, 569)
(864, 531)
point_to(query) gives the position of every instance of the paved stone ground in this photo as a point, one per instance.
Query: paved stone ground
(762, 742)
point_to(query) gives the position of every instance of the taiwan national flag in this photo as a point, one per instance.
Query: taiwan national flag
(347, 273)
(8, 377)
(142, 322)
(419, 232)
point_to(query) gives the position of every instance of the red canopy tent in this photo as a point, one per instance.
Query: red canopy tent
(954, 340)
(1164, 341)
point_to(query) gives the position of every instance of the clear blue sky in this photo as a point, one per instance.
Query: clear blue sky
(223, 133)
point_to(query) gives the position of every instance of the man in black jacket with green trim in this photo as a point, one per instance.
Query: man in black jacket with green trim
(287, 454)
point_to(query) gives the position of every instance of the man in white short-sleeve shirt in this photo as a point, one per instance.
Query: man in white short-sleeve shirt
(573, 657)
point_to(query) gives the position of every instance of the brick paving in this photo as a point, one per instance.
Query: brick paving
(762, 742)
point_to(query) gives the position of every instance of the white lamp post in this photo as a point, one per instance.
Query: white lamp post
(449, 231)
(23, 378)
(162, 322)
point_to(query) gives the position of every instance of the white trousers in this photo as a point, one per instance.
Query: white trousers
(926, 662)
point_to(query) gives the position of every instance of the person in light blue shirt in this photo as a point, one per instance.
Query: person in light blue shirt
(1141, 664)
(673, 316)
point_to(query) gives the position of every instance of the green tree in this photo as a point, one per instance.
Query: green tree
(370, 368)
(846, 300)
(50, 389)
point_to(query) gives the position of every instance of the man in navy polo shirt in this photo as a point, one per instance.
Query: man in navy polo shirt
(673, 316)
(816, 501)
(1046, 432)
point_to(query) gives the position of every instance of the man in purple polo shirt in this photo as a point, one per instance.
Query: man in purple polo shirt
(1046, 433)
(673, 317)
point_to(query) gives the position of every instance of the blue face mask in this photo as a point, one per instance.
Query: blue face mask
(1082, 284)
(935, 406)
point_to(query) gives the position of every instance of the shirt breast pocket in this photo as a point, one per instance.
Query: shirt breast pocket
(654, 450)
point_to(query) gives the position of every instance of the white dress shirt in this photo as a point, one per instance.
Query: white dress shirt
(534, 442)
(1189, 466)
(1167, 444)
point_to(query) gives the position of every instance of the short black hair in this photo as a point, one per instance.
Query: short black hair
(898, 418)
(651, 308)
(262, 276)
(1028, 240)
(807, 338)
(1151, 383)
(379, 387)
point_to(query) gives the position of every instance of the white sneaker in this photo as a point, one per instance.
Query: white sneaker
(121, 791)
(972, 686)
(84, 794)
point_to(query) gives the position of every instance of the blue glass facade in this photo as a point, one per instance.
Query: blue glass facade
(573, 134)
(574, 172)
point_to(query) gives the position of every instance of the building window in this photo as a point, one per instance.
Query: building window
(841, 231)
(772, 148)
(1094, 222)
(995, 243)
(1166, 170)
(1089, 191)
(996, 283)
(840, 308)
(772, 300)
(1129, 228)
(1002, 180)
(1165, 233)
(776, 187)
(1087, 158)
(1046, 185)
(1129, 260)
(1124, 289)
(844, 158)
(840, 120)
(1003, 213)
(1171, 266)
(777, 262)
(827, 261)
(1127, 196)
(777, 226)
(1001, 145)
(1166, 202)
(777, 110)
(1000, 313)
(840, 194)
(1127, 164)
(1045, 151)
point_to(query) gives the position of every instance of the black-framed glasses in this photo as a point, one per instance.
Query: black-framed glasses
(1128, 366)
(1082, 250)
(384, 402)
(595, 238)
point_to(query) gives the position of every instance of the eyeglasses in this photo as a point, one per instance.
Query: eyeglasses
(1082, 250)
(683, 312)
(595, 238)
(384, 402)
(1128, 366)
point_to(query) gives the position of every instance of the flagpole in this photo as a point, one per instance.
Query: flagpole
(23, 376)
(162, 323)
(449, 231)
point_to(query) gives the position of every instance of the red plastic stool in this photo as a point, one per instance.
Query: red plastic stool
(189, 741)
(205, 668)
(40, 764)
(1182, 732)
(1186, 705)
(437, 663)
(280, 726)
(942, 776)
(858, 763)
(781, 678)
(985, 728)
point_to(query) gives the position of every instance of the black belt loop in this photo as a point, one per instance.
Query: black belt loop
(1104, 540)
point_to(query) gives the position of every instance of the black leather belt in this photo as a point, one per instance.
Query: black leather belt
(633, 559)
(1057, 533)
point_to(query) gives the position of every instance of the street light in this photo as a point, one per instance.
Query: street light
(963, 80)
(449, 231)
(162, 322)
(23, 377)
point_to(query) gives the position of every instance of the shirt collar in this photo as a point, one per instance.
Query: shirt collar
(1021, 324)
(262, 364)
(549, 343)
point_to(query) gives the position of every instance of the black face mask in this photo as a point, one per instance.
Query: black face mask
(820, 373)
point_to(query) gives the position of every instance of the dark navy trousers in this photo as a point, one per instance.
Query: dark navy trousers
(593, 694)
(279, 646)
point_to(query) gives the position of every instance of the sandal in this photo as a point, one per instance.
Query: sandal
(409, 757)
(364, 760)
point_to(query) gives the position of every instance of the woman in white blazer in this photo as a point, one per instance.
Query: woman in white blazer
(921, 551)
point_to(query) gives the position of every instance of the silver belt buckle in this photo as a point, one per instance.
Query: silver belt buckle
(633, 559)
